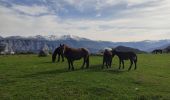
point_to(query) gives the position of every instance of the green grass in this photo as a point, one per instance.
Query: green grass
(25, 77)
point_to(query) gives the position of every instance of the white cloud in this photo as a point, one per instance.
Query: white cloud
(31, 10)
(131, 24)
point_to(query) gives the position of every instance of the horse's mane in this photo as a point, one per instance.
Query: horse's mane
(56, 50)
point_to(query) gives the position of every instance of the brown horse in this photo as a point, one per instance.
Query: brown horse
(73, 54)
(125, 56)
(107, 58)
(56, 52)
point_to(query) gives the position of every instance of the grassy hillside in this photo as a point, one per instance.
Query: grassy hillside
(25, 77)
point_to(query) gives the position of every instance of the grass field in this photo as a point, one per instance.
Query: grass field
(28, 77)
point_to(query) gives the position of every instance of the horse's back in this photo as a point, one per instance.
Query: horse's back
(85, 51)
(127, 55)
(76, 54)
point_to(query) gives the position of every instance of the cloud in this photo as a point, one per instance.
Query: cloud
(113, 20)
(33, 10)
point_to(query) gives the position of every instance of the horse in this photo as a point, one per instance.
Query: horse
(156, 51)
(73, 54)
(126, 56)
(107, 58)
(58, 52)
(168, 50)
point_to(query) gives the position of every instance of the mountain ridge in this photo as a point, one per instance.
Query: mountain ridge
(34, 43)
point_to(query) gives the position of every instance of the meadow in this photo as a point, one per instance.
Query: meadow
(28, 77)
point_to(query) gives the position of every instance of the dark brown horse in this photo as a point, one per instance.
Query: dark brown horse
(73, 54)
(125, 56)
(107, 58)
(156, 51)
(56, 52)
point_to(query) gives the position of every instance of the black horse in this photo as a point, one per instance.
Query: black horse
(126, 56)
(156, 51)
(58, 52)
(73, 54)
(107, 58)
(168, 50)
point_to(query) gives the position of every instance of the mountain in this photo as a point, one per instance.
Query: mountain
(164, 46)
(1, 37)
(35, 43)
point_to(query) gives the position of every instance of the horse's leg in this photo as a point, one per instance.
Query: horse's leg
(87, 62)
(68, 64)
(135, 65)
(84, 61)
(72, 64)
(131, 62)
(103, 64)
(135, 61)
(119, 63)
(123, 64)
(62, 58)
(110, 63)
(58, 57)
(53, 58)
(107, 64)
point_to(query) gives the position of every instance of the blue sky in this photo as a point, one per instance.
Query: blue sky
(112, 20)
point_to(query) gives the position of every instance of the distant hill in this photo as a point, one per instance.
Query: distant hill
(35, 43)
(125, 49)
(163, 46)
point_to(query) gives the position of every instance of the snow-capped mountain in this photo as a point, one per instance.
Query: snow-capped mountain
(55, 37)
(35, 43)
(67, 37)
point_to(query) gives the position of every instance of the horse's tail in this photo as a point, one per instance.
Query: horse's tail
(87, 61)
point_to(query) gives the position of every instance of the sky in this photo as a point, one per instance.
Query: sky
(107, 20)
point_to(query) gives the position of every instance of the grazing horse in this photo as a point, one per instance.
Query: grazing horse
(56, 52)
(107, 58)
(156, 51)
(126, 56)
(73, 54)
(168, 50)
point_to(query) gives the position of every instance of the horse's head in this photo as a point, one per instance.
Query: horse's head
(62, 49)
(53, 58)
(113, 52)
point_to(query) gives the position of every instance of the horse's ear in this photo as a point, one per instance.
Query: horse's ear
(60, 45)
